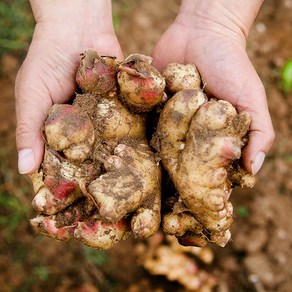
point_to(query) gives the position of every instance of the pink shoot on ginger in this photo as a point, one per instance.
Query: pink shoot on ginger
(96, 74)
(141, 85)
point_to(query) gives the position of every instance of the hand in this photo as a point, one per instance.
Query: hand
(47, 76)
(213, 38)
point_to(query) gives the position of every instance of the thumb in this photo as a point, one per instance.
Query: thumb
(261, 134)
(32, 106)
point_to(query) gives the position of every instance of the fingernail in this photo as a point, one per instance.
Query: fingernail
(258, 162)
(26, 161)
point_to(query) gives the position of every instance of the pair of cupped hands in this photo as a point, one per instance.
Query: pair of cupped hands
(215, 43)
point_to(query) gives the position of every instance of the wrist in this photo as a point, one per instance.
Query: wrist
(55, 10)
(91, 15)
(77, 24)
(236, 16)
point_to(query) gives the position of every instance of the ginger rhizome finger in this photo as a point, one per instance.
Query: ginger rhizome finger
(132, 177)
(57, 183)
(147, 218)
(179, 77)
(80, 221)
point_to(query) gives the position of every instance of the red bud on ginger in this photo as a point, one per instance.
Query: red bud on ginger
(47, 225)
(50, 201)
(60, 188)
(141, 85)
(61, 226)
(96, 74)
(100, 235)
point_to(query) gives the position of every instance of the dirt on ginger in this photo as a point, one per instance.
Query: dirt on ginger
(97, 148)
(198, 141)
(101, 176)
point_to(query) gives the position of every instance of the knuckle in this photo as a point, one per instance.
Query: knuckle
(23, 132)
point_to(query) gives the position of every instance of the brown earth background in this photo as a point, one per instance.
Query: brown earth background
(260, 254)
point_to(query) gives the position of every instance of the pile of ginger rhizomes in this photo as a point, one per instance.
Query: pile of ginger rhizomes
(136, 151)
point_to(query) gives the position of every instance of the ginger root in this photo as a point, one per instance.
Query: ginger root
(97, 153)
(101, 180)
(198, 140)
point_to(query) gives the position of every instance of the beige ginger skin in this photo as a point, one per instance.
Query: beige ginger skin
(97, 149)
(197, 141)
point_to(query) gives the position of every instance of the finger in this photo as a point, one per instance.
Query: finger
(32, 107)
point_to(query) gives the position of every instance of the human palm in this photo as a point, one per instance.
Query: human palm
(47, 76)
(221, 58)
